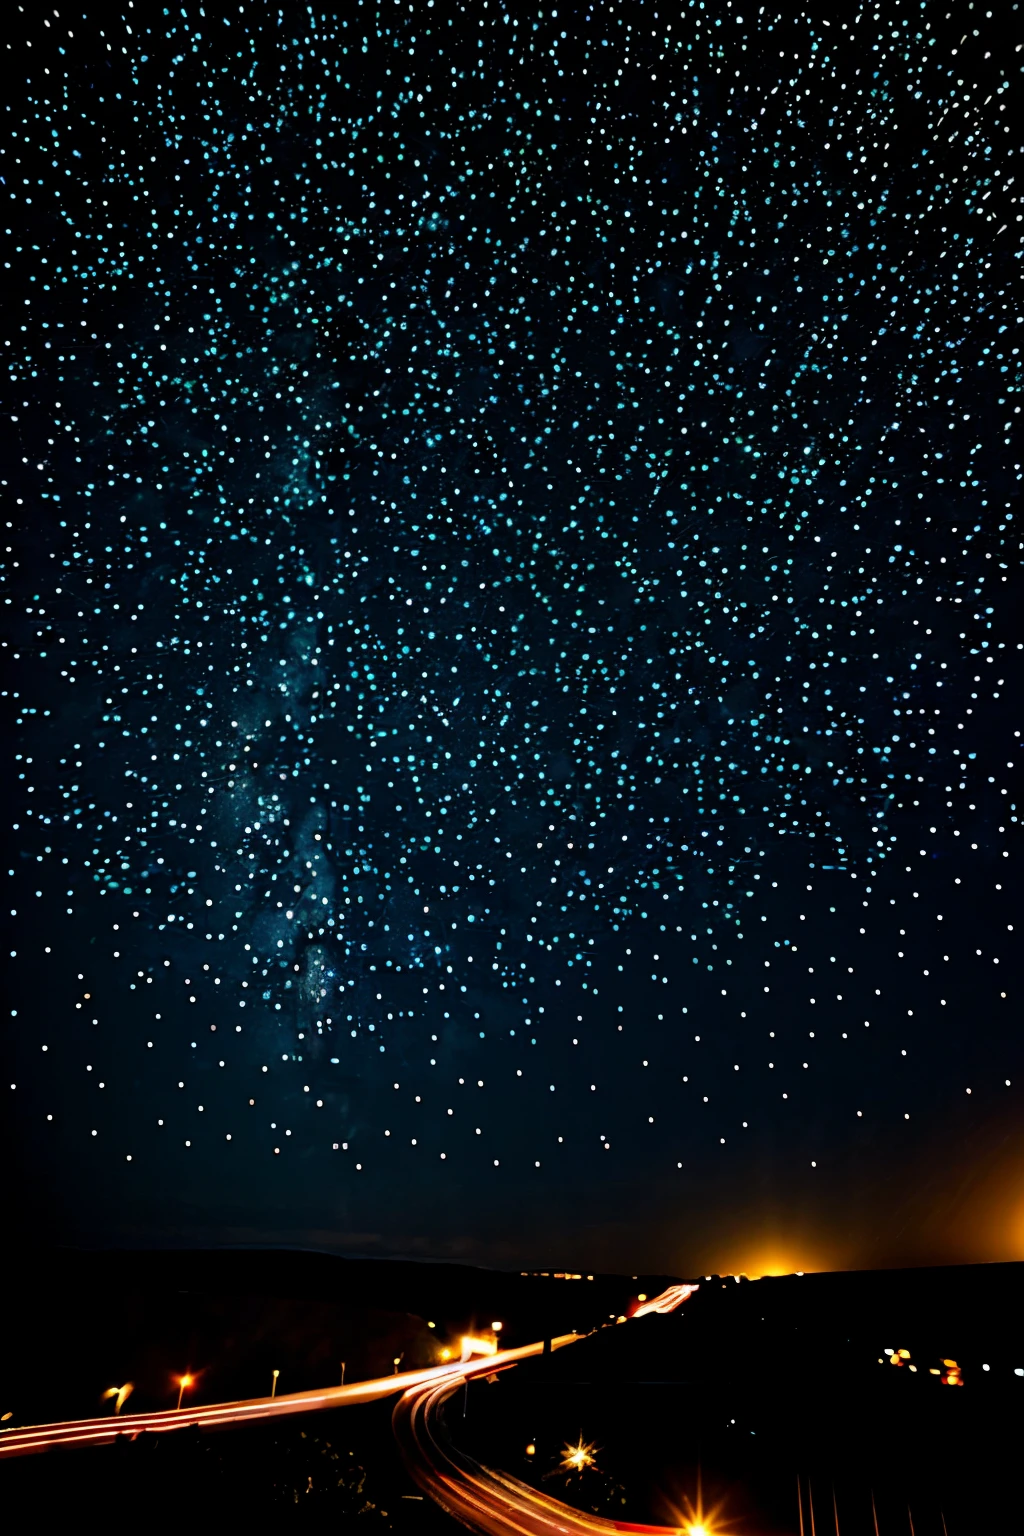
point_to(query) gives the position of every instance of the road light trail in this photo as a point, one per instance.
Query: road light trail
(43, 1437)
(668, 1301)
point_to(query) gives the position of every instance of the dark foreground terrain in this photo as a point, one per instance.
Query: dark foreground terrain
(754, 1388)
(754, 1385)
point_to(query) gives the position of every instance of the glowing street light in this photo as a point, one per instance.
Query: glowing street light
(119, 1394)
(183, 1382)
(700, 1521)
(576, 1458)
(273, 1384)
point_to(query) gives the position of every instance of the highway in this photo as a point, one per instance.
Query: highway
(488, 1502)
(104, 1431)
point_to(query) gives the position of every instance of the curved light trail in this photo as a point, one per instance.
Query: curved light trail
(492, 1503)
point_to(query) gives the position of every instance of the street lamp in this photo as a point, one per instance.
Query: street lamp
(397, 1362)
(118, 1394)
(183, 1382)
(273, 1385)
(343, 1373)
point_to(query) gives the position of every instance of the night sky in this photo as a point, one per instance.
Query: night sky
(513, 660)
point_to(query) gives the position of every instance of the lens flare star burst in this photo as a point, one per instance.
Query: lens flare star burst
(578, 1458)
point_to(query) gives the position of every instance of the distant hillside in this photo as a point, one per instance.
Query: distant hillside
(453, 1292)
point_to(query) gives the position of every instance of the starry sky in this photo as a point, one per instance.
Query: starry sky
(513, 603)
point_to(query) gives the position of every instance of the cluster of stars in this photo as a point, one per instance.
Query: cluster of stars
(508, 505)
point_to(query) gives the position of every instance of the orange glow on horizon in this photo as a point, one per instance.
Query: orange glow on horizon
(772, 1267)
(774, 1258)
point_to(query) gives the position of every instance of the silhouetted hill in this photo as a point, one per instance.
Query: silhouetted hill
(457, 1293)
(758, 1382)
